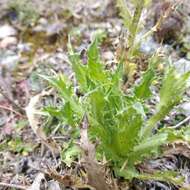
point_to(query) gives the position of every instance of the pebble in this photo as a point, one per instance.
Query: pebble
(149, 46)
(39, 28)
(24, 47)
(8, 41)
(185, 108)
(182, 65)
(108, 55)
(54, 28)
(7, 30)
(10, 61)
(43, 21)
(53, 185)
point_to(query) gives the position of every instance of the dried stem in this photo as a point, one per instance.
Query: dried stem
(19, 108)
(13, 186)
(11, 110)
(134, 25)
(180, 124)
(161, 20)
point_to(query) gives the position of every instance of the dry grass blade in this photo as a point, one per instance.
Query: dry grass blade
(66, 180)
(162, 18)
(178, 148)
(34, 123)
(95, 172)
(15, 186)
(21, 111)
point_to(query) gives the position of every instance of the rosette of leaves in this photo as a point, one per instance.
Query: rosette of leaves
(118, 121)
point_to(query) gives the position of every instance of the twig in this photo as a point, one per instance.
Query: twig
(161, 20)
(20, 109)
(11, 110)
(181, 123)
(13, 186)
(134, 27)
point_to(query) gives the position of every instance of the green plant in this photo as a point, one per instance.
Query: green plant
(130, 52)
(132, 23)
(118, 120)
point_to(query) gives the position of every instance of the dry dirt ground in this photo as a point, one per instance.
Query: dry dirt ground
(33, 41)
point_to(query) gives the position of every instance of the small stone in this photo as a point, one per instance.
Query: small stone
(108, 55)
(53, 185)
(185, 108)
(39, 28)
(24, 47)
(8, 41)
(7, 30)
(54, 28)
(182, 65)
(149, 46)
(10, 62)
(43, 21)
(22, 165)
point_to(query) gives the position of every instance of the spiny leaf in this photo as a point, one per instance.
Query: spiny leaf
(66, 91)
(78, 68)
(129, 125)
(169, 176)
(142, 91)
(61, 84)
(148, 147)
(70, 153)
(95, 70)
(124, 13)
(173, 87)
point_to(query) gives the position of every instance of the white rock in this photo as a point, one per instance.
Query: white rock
(39, 28)
(10, 62)
(108, 55)
(53, 185)
(43, 21)
(149, 46)
(185, 108)
(8, 41)
(24, 47)
(182, 65)
(7, 30)
(54, 28)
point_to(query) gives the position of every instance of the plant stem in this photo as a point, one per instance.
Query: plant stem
(147, 130)
(180, 124)
(134, 26)
(15, 186)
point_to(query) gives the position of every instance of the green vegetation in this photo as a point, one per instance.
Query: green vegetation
(119, 121)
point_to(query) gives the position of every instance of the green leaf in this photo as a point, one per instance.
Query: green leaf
(97, 103)
(169, 176)
(142, 91)
(149, 146)
(173, 87)
(78, 68)
(70, 154)
(65, 89)
(61, 84)
(117, 119)
(124, 13)
(95, 71)
(129, 123)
